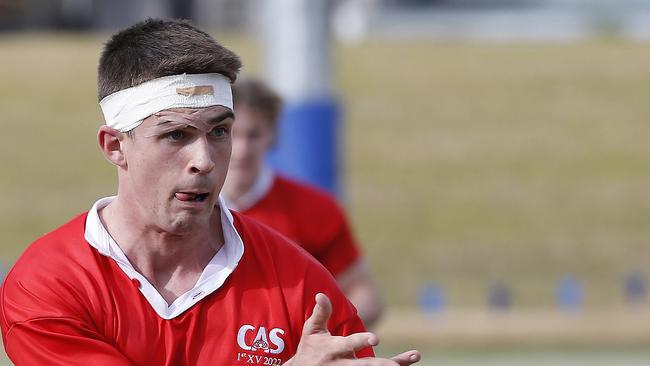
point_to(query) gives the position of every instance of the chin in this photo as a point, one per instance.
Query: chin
(185, 224)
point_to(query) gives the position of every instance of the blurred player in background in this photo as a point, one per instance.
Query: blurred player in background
(163, 273)
(307, 215)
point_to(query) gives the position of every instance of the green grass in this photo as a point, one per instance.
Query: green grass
(463, 163)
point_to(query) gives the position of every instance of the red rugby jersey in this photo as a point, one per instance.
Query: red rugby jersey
(64, 303)
(311, 218)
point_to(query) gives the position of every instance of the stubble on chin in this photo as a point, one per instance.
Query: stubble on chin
(184, 223)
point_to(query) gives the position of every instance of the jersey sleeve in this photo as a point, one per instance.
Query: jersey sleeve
(344, 320)
(59, 341)
(45, 320)
(340, 251)
(351, 326)
(300, 277)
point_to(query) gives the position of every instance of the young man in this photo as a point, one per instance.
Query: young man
(304, 214)
(163, 273)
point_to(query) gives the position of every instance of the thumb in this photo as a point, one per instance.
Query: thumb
(317, 322)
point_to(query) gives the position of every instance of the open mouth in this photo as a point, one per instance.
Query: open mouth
(191, 197)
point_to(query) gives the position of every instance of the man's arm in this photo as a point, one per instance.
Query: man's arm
(319, 348)
(358, 286)
(341, 255)
(59, 342)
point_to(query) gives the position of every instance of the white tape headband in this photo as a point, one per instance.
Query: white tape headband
(124, 110)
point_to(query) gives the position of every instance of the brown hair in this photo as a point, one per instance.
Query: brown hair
(155, 48)
(257, 95)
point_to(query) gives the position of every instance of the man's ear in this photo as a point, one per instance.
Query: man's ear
(110, 143)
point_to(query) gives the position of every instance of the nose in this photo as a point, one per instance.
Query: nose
(201, 161)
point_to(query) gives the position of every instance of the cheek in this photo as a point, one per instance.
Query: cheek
(152, 169)
(261, 145)
(252, 151)
(238, 148)
(224, 152)
(245, 149)
(267, 141)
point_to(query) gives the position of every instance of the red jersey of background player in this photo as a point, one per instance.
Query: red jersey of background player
(305, 214)
(75, 292)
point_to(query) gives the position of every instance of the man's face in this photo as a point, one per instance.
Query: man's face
(252, 137)
(176, 163)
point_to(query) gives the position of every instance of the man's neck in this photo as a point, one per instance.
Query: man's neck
(171, 263)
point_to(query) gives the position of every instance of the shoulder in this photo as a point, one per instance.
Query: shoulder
(305, 193)
(306, 203)
(272, 259)
(46, 280)
(48, 251)
(260, 239)
(274, 253)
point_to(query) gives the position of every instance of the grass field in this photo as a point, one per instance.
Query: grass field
(552, 357)
(548, 357)
(463, 163)
(473, 163)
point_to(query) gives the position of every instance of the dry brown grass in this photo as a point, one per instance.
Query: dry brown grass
(528, 328)
(464, 163)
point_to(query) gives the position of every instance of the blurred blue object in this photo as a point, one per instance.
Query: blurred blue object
(3, 271)
(308, 139)
(499, 296)
(635, 287)
(569, 294)
(432, 298)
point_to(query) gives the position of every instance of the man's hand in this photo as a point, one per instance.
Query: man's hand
(319, 348)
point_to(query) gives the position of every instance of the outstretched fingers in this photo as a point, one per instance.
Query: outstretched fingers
(407, 358)
(358, 341)
(318, 347)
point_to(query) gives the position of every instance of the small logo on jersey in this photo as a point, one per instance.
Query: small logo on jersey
(250, 338)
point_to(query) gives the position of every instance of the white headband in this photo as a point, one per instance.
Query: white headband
(124, 110)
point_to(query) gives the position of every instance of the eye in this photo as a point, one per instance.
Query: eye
(176, 135)
(219, 131)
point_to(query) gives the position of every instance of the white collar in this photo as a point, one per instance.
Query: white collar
(214, 274)
(260, 188)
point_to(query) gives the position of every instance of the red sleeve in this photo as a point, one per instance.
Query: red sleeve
(344, 320)
(312, 218)
(59, 341)
(45, 319)
(351, 326)
(300, 277)
(341, 251)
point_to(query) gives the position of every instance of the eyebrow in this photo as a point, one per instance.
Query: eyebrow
(212, 121)
(225, 115)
